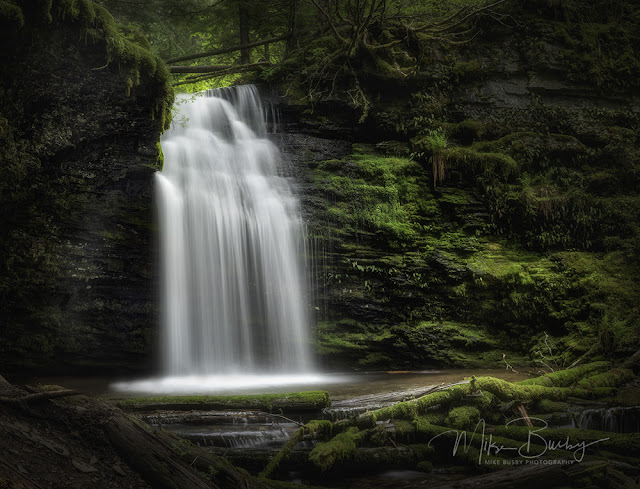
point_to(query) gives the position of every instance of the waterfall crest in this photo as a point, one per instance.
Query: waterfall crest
(231, 239)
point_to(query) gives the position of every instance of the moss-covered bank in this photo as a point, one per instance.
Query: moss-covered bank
(488, 203)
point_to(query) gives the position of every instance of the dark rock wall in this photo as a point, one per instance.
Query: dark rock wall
(80, 126)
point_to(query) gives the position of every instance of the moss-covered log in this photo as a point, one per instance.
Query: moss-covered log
(340, 447)
(287, 403)
(485, 392)
(565, 378)
(313, 428)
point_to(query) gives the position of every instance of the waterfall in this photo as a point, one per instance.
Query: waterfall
(231, 239)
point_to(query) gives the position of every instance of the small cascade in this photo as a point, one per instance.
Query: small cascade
(615, 419)
(227, 429)
(236, 436)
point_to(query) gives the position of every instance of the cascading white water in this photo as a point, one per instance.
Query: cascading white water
(232, 293)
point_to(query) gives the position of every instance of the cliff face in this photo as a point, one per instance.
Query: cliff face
(487, 204)
(517, 229)
(81, 112)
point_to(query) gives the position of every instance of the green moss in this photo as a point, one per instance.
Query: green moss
(568, 377)
(160, 157)
(353, 341)
(466, 69)
(456, 334)
(463, 417)
(96, 25)
(374, 193)
(282, 455)
(340, 448)
(467, 131)
(626, 444)
(492, 164)
(478, 387)
(612, 378)
(11, 15)
(544, 406)
(609, 291)
(297, 401)
(601, 54)
(74, 11)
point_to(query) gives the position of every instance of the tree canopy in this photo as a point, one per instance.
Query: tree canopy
(214, 41)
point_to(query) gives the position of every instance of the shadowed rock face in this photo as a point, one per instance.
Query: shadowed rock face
(76, 247)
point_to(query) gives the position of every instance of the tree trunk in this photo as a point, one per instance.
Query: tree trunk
(291, 42)
(243, 11)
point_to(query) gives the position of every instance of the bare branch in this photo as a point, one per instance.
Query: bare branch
(328, 17)
(457, 13)
(473, 13)
(465, 13)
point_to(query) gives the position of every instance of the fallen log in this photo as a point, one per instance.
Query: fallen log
(218, 68)
(155, 463)
(216, 52)
(39, 396)
(280, 403)
(165, 460)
